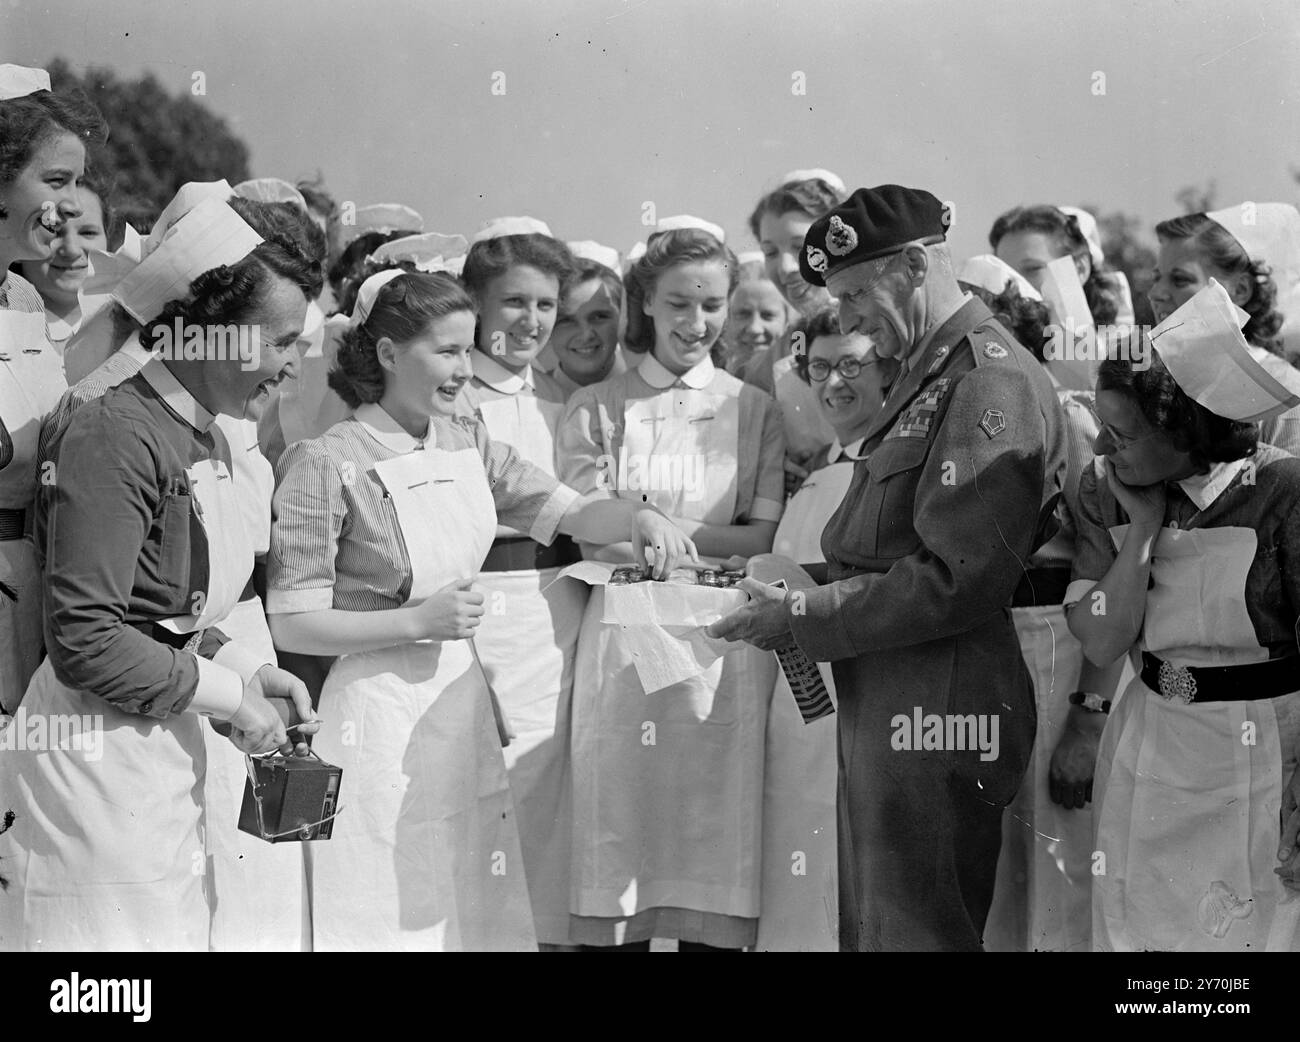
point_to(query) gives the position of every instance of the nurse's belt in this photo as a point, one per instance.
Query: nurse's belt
(1202, 346)
(18, 81)
(207, 237)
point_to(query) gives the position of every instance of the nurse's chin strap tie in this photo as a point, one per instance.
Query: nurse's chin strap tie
(257, 799)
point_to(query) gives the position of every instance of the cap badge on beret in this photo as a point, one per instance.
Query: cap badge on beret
(841, 239)
(817, 260)
(945, 218)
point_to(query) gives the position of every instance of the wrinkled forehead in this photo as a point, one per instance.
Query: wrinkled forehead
(857, 276)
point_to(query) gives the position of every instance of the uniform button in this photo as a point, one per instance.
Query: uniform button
(1174, 523)
(147, 707)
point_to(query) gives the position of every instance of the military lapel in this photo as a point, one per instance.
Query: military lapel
(932, 362)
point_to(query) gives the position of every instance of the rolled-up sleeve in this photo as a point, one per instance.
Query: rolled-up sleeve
(308, 515)
(101, 512)
(526, 497)
(1094, 552)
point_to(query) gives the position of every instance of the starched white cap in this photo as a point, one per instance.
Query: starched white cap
(210, 235)
(428, 252)
(992, 273)
(18, 81)
(270, 190)
(188, 196)
(685, 220)
(1270, 232)
(816, 174)
(500, 227)
(369, 291)
(1088, 225)
(606, 256)
(383, 218)
(1202, 346)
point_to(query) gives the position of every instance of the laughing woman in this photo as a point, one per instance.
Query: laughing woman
(666, 842)
(1188, 542)
(380, 527)
(43, 138)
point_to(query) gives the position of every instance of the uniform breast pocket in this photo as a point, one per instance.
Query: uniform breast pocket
(175, 515)
(895, 469)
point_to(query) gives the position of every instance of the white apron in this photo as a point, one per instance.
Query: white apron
(1042, 900)
(31, 381)
(668, 786)
(258, 892)
(527, 642)
(800, 871)
(113, 855)
(1187, 812)
(425, 852)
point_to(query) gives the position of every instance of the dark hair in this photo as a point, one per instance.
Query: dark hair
(27, 123)
(1027, 319)
(814, 198)
(1203, 435)
(823, 322)
(1102, 296)
(348, 272)
(288, 225)
(585, 270)
(317, 197)
(493, 257)
(226, 294)
(402, 310)
(666, 250)
(1221, 248)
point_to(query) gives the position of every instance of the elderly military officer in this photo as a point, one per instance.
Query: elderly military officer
(955, 489)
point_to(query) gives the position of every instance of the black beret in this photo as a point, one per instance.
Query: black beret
(871, 223)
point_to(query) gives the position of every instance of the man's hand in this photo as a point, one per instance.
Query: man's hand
(764, 622)
(256, 727)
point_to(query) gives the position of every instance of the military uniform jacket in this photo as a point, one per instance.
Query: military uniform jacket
(962, 470)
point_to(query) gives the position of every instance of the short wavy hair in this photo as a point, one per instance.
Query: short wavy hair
(813, 198)
(823, 322)
(666, 250)
(1203, 435)
(1027, 319)
(402, 311)
(27, 123)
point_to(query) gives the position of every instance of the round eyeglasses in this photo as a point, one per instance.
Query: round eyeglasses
(819, 369)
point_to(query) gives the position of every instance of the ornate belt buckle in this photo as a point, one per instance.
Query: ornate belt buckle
(1177, 683)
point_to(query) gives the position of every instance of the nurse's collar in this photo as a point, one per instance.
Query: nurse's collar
(388, 432)
(175, 396)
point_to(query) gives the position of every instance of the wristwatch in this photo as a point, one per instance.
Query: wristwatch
(1093, 703)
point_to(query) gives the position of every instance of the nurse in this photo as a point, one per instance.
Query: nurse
(146, 557)
(517, 274)
(38, 197)
(587, 331)
(666, 838)
(1253, 251)
(800, 899)
(380, 526)
(1188, 536)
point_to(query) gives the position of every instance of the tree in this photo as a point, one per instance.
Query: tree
(1195, 199)
(157, 141)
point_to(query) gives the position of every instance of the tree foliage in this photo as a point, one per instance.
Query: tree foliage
(157, 140)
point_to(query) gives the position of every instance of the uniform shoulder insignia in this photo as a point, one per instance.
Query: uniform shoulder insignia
(937, 364)
(993, 422)
(992, 349)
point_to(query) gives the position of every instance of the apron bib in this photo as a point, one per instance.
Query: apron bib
(425, 854)
(114, 856)
(1187, 811)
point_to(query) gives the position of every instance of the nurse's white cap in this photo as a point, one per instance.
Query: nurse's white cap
(992, 273)
(208, 236)
(816, 174)
(500, 227)
(1202, 346)
(270, 190)
(18, 81)
(379, 217)
(685, 220)
(1270, 232)
(1087, 225)
(428, 252)
(369, 291)
(188, 196)
(606, 256)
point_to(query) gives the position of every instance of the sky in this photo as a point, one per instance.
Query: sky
(582, 112)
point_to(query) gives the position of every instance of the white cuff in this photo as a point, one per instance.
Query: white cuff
(765, 510)
(241, 659)
(282, 602)
(547, 521)
(220, 692)
(1077, 590)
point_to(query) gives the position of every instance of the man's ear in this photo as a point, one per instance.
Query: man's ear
(916, 262)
